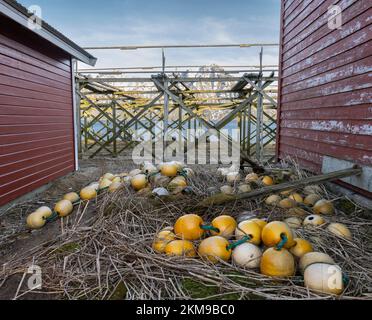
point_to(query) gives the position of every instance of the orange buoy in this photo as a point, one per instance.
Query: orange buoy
(275, 232)
(215, 249)
(249, 228)
(277, 263)
(301, 247)
(180, 248)
(226, 226)
(169, 169)
(267, 181)
(139, 182)
(189, 227)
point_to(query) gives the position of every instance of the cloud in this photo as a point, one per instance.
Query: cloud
(176, 30)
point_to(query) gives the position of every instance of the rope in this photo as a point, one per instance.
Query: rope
(53, 217)
(209, 228)
(345, 279)
(233, 245)
(282, 242)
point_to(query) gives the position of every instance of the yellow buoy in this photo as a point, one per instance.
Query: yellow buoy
(63, 208)
(215, 249)
(251, 177)
(260, 222)
(339, 230)
(162, 239)
(313, 220)
(314, 257)
(35, 220)
(274, 232)
(311, 199)
(94, 185)
(312, 189)
(139, 182)
(108, 176)
(114, 186)
(188, 227)
(247, 255)
(72, 196)
(267, 181)
(286, 193)
(294, 222)
(287, 203)
(277, 263)
(45, 211)
(229, 190)
(104, 184)
(117, 179)
(324, 278)
(233, 177)
(180, 248)
(251, 229)
(177, 182)
(226, 226)
(323, 207)
(296, 197)
(88, 193)
(273, 200)
(135, 172)
(301, 247)
(244, 188)
(169, 169)
(297, 212)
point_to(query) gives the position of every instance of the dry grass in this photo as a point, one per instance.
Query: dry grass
(111, 256)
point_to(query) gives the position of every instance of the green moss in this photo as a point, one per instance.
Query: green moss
(68, 248)
(119, 292)
(346, 206)
(198, 290)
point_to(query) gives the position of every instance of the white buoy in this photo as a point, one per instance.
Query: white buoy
(247, 255)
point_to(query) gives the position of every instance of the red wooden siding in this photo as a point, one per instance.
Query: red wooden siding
(325, 87)
(36, 112)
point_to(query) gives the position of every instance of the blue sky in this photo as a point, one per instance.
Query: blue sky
(140, 22)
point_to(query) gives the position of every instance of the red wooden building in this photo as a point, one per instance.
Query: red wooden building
(37, 118)
(325, 90)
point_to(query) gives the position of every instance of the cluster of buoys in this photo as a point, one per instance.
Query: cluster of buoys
(311, 202)
(236, 183)
(165, 179)
(168, 178)
(65, 206)
(270, 247)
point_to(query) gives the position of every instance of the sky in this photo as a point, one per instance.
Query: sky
(167, 22)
